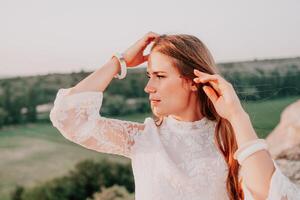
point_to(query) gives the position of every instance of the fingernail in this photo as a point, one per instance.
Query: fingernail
(196, 71)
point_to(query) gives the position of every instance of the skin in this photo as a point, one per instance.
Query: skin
(178, 99)
(257, 168)
(177, 96)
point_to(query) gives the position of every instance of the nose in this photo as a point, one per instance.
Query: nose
(149, 88)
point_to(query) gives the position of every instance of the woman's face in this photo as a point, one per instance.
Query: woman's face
(165, 85)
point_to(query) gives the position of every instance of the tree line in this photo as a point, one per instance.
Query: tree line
(90, 180)
(20, 96)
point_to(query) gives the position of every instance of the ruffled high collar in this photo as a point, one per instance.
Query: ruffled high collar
(185, 125)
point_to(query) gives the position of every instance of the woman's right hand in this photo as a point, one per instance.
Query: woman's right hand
(134, 54)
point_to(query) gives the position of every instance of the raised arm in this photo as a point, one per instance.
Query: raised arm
(99, 80)
(76, 110)
(262, 178)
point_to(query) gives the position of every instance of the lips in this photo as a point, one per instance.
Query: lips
(154, 101)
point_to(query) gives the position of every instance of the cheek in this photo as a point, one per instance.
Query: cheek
(166, 85)
(172, 88)
(174, 95)
(177, 99)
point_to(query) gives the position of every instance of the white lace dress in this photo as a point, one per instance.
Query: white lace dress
(177, 160)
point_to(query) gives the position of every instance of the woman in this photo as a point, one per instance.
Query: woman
(201, 144)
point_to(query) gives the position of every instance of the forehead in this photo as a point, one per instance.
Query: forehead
(160, 62)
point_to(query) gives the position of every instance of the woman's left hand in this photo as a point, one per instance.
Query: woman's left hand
(221, 93)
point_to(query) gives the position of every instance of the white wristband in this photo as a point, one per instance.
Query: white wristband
(122, 64)
(248, 149)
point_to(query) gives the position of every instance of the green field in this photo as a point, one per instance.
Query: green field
(265, 115)
(33, 153)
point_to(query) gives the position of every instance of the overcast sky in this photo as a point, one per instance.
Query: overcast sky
(42, 36)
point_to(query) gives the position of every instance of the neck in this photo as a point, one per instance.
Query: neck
(189, 118)
(191, 113)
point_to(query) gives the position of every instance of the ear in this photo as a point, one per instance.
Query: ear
(193, 86)
(189, 84)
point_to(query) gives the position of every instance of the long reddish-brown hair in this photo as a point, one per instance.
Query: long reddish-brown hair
(189, 53)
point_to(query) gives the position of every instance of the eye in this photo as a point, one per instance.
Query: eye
(160, 76)
(156, 75)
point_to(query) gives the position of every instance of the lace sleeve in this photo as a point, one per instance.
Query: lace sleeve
(281, 188)
(77, 118)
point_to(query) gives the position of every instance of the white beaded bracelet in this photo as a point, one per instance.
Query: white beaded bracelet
(122, 62)
(249, 148)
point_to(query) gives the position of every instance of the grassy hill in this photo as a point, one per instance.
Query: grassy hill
(33, 153)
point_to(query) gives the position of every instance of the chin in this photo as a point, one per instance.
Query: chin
(159, 113)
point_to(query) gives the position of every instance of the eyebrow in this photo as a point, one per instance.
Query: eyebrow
(156, 72)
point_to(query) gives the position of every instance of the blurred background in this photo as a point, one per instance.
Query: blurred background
(47, 45)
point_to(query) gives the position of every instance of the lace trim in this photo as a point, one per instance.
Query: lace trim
(282, 187)
(86, 104)
(77, 117)
(185, 125)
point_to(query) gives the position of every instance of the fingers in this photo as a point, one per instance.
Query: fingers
(215, 80)
(147, 39)
(216, 87)
(145, 58)
(213, 83)
(210, 93)
(205, 77)
(152, 34)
